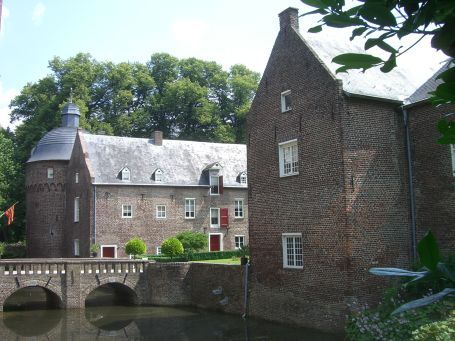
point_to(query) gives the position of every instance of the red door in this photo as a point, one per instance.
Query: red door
(214, 242)
(108, 252)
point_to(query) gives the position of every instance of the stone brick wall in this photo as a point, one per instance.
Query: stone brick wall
(45, 202)
(433, 177)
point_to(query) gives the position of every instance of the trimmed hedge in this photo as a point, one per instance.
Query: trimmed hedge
(195, 256)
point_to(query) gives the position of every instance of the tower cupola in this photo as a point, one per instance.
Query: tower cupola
(70, 115)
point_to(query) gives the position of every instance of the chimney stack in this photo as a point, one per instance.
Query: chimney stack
(289, 18)
(157, 137)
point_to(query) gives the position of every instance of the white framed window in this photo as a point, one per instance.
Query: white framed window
(158, 250)
(452, 149)
(214, 217)
(127, 211)
(239, 241)
(76, 209)
(292, 250)
(50, 173)
(161, 211)
(76, 178)
(190, 208)
(126, 174)
(286, 104)
(243, 178)
(158, 175)
(214, 185)
(238, 208)
(76, 247)
(288, 157)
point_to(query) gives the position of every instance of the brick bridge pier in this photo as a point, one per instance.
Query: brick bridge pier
(72, 280)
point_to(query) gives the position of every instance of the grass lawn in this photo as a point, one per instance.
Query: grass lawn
(221, 261)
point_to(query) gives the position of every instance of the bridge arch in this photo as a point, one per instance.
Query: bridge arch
(55, 292)
(122, 284)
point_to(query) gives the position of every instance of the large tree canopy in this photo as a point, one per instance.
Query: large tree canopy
(380, 21)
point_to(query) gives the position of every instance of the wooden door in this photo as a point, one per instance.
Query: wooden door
(108, 252)
(215, 242)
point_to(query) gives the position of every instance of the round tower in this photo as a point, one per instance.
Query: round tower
(45, 181)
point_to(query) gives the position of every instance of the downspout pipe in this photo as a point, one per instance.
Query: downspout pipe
(94, 214)
(412, 200)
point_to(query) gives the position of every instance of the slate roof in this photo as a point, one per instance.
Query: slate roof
(183, 162)
(55, 145)
(431, 84)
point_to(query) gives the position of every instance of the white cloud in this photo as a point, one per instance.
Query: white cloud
(5, 98)
(38, 13)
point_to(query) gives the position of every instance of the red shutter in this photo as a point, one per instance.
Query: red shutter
(220, 184)
(224, 212)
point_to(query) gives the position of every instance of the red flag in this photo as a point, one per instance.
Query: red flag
(10, 214)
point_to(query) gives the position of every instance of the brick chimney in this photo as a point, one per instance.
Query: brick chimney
(157, 137)
(289, 18)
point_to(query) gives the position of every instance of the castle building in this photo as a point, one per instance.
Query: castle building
(344, 175)
(83, 189)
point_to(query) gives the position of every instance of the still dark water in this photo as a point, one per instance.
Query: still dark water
(141, 323)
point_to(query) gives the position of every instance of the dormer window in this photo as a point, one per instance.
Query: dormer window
(214, 184)
(243, 178)
(126, 174)
(286, 104)
(215, 179)
(158, 175)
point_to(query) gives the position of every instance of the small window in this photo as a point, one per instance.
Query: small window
(214, 184)
(190, 208)
(50, 173)
(292, 250)
(161, 211)
(158, 175)
(126, 174)
(127, 211)
(215, 217)
(288, 157)
(238, 208)
(239, 241)
(76, 178)
(243, 178)
(158, 250)
(286, 101)
(452, 148)
(76, 209)
(76, 247)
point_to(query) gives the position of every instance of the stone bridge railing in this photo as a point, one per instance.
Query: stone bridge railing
(72, 279)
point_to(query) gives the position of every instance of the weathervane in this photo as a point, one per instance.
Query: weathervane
(71, 95)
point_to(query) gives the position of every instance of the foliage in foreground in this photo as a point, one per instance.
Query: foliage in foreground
(196, 256)
(172, 247)
(192, 241)
(135, 246)
(436, 331)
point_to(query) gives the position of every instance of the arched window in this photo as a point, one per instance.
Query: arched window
(243, 178)
(126, 174)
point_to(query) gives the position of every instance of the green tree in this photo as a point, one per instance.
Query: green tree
(172, 247)
(135, 246)
(192, 241)
(380, 21)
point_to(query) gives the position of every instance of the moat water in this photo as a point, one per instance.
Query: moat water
(30, 316)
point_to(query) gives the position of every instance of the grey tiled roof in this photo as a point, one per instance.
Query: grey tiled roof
(182, 162)
(430, 85)
(55, 145)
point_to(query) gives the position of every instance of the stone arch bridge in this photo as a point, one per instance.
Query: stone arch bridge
(73, 279)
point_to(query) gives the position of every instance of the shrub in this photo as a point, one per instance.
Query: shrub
(172, 247)
(192, 241)
(436, 331)
(135, 246)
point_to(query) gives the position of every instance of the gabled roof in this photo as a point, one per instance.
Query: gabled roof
(183, 162)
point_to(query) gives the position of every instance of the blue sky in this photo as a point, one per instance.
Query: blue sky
(225, 31)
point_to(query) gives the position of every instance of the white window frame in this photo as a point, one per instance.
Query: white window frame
(190, 214)
(50, 173)
(159, 213)
(285, 94)
(239, 210)
(284, 154)
(126, 174)
(110, 245)
(243, 178)
(452, 150)
(212, 185)
(125, 211)
(216, 226)
(158, 250)
(77, 250)
(76, 178)
(235, 241)
(77, 209)
(295, 255)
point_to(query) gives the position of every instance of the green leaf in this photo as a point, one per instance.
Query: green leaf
(424, 301)
(429, 251)
(342, 20)
(356, 61)
(448, 76)
(315, 29)
(358, 32)
(447, 129)
(378, 13)
(447, 271)
(390, 64)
